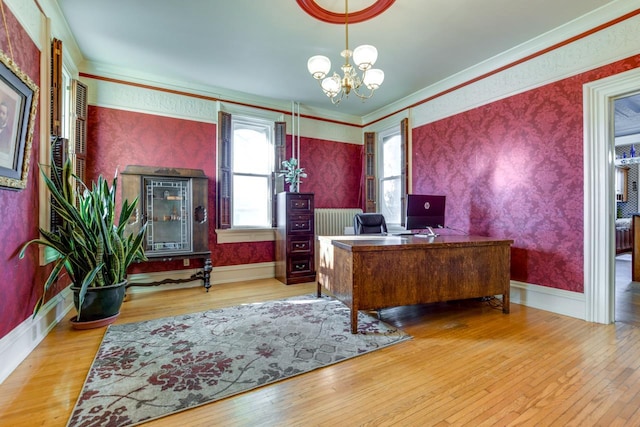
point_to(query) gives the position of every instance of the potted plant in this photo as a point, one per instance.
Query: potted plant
(292, 174)
(93, 250)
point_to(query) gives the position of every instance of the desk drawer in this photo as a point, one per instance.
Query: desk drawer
(300, 203)
(300, 224)
(300, 265)
(302, 245)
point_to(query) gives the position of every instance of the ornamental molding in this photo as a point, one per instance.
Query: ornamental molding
(143, 100)
(604, 47)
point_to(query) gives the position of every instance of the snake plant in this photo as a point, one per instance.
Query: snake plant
(92, 248)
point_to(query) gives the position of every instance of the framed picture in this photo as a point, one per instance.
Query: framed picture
(18, 106)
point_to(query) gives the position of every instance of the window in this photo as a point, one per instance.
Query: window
(386, 171)
(391, 189)
(249, 148)
(66, 104)
(252, 154)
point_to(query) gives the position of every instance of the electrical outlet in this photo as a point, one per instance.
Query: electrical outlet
(185, 262)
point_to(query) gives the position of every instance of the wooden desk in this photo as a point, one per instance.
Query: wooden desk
(374, 272)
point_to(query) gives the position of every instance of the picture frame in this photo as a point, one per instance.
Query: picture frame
(18, 108)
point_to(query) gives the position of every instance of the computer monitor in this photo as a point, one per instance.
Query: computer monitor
(424, 212)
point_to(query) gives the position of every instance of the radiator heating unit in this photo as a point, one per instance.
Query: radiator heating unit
(332, 221)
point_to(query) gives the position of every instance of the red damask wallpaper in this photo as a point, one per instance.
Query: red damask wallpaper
(21, 283)
(509, 169)
(513, 169)
(334, 171)
(118, 138)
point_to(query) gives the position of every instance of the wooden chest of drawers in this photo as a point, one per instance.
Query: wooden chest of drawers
(294, 239)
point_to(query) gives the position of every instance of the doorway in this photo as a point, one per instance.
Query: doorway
(626, 119)
(599, 198)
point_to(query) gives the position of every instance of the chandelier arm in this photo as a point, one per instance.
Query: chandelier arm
(363, 96)
(335, 100)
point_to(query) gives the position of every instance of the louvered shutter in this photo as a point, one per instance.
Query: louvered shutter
(224, 170)
(370, 171)
(56, 88)
(404, 178)
(80, 109)
(59, 155)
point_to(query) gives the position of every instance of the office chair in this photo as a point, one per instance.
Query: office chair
(369, 223)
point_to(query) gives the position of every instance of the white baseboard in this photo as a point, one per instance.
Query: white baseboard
(17, 345)
(567, 303)
(219, 275)
(239, 273)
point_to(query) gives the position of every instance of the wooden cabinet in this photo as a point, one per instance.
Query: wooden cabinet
(173, 203)
(621, 184)
(295, 238)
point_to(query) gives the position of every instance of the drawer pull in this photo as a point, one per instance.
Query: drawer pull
(301, 266)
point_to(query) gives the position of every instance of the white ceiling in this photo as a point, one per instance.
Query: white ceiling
(627, 115)
(261, 47)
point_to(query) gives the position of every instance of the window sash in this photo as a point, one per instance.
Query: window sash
(224, 205)
(373, 180)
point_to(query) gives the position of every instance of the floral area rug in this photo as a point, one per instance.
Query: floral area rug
(151, 369)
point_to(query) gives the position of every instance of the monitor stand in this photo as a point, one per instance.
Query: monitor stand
(430, 233)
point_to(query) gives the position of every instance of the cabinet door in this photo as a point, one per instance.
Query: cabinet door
(167, 209)
(200, 216)
(132, 189)
(621, 184)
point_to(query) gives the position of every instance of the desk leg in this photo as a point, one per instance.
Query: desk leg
(506, 303)
(319, 291)
(354, 320)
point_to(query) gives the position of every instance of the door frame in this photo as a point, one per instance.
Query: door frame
(599, 200)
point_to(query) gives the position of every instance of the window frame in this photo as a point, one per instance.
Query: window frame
(382, 138)
(225, 231)
(258, 123)
(371, 162)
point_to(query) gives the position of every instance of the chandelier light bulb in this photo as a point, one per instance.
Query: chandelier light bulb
(365, 56)
(373, 78)
(319, 66)
(331, 86)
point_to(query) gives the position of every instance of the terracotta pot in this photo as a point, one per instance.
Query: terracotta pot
(100, 302)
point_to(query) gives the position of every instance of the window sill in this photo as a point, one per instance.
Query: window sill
(241, 235)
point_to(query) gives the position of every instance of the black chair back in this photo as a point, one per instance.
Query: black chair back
(369, 223)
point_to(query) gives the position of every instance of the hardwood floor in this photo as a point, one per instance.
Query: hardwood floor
(467, 364)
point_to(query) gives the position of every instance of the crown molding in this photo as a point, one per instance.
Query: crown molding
(212, 93)
(29, 16)
(142, 100)
(482, 84)
(72, 55)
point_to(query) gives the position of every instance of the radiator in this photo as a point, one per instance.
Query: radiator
(331, 222)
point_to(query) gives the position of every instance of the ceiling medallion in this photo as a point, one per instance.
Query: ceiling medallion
(314, 9)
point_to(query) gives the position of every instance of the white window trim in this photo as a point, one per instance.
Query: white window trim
(241, 235)
(251, 112)
(247, 234)
(393, 130)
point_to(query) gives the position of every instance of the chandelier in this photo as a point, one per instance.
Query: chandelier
(337, 87)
